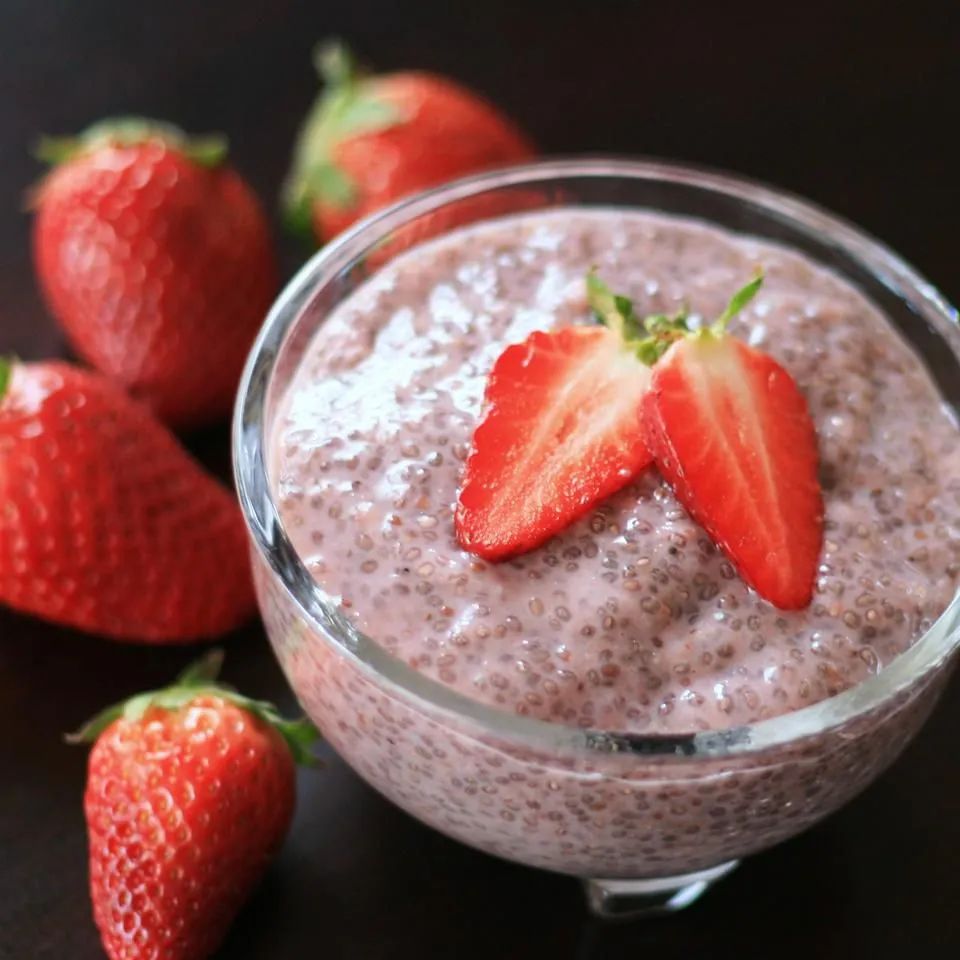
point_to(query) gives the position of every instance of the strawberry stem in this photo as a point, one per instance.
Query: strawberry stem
(335, 63)
(199, 679)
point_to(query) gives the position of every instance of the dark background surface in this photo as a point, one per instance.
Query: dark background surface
(852, 108)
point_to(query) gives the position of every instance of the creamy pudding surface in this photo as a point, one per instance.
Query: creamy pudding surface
(630, 619)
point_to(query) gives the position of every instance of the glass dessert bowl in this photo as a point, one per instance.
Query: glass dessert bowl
(648, 812)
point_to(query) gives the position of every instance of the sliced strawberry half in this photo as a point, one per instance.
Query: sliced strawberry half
(559, 433)
(731, 432)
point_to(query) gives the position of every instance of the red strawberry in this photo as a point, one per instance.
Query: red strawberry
(190, 793)
(106, 523)
(731, 432)
(371, 140)
(560, 430)
(156, 259)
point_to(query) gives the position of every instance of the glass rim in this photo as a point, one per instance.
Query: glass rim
(270, 540)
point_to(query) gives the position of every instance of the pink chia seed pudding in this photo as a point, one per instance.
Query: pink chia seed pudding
(630, 620)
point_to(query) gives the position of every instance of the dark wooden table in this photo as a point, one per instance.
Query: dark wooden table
(852, 109)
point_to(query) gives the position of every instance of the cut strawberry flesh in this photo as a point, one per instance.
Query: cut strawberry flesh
(731, 432)
(559, 434)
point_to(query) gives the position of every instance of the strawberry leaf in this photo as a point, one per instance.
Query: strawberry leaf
(359, 116)
(56, 150)
(199, 679)
(92, 729)
(209, 150)
(347, 107)
(661, 330)
(737, 302)
(610, 309)
(333, 184)
(6, 374)
(650, 350)
(203, 671)
(649, 338)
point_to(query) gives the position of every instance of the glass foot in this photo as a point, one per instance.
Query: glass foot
(628, 899)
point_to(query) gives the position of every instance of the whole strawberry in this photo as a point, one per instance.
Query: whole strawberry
(156, 259)
(190, 792)
(106, 523)
(371, 140)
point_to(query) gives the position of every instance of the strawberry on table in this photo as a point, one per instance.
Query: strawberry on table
(190, 793)
(371, 140)
(156, 259)
(106, 523)
(731, 432)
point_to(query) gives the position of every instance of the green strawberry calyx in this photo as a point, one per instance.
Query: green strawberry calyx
(200, 679)
(6, 375)
(209, 150)
(347, 107)
(650, 337)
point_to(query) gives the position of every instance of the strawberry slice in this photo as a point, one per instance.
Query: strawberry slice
(731, 432)
(560, 430)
